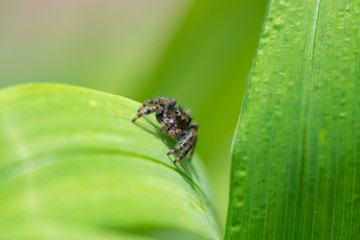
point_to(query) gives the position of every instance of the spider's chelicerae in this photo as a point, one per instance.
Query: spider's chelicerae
(176, 121)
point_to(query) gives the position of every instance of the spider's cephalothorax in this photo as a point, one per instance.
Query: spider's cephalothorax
(176, 121)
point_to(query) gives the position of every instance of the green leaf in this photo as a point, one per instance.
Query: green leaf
(296, 163)
(73, 165)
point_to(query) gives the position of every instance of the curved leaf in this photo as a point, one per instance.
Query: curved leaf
(296, 164)
(71, 161)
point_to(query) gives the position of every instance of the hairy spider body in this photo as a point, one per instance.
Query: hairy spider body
(176, 121)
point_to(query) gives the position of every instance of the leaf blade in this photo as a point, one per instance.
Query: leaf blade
(290, 160)
(78, 148)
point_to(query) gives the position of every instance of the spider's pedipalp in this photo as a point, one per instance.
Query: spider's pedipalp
(174, 132)
(167, 123)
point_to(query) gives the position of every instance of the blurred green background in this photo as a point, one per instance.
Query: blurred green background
(195, 50)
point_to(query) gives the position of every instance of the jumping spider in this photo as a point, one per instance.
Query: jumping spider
(176, 121)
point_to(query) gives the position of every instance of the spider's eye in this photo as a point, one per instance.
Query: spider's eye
(178, 116)
(183, 120)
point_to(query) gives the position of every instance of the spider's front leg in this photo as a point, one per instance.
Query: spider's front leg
(158, 101)
(147, 111)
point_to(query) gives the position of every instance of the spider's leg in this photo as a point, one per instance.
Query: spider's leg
(157, 101)
(192, 148)
(195, 126)
(183, 154)
(147, 111)
(185, 142)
